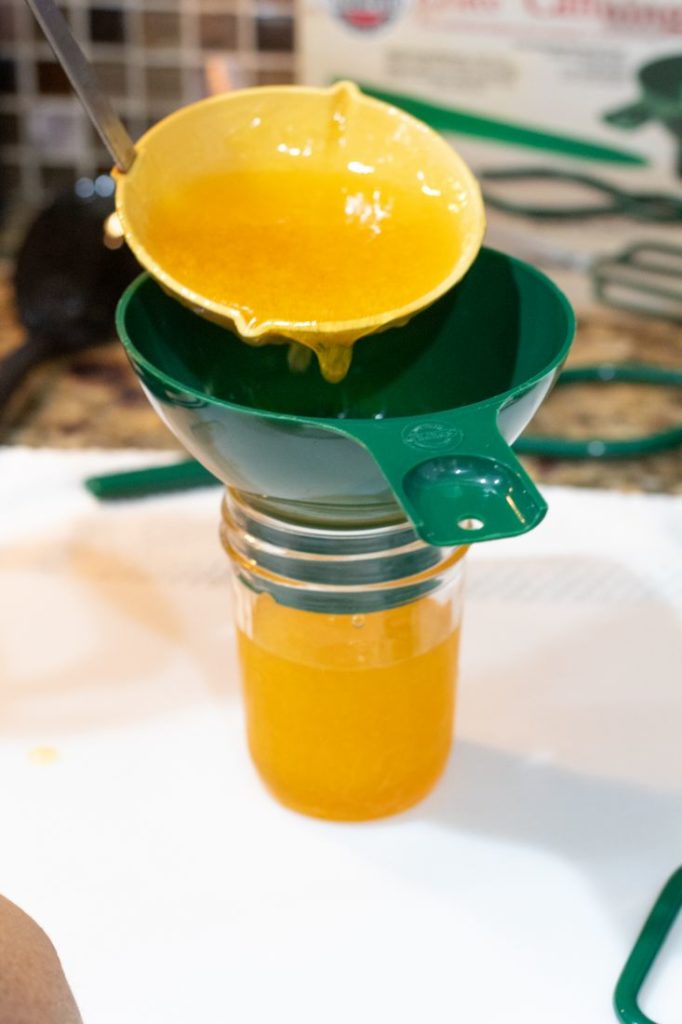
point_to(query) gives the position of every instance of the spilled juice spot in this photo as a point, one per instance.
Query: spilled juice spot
(43, 755)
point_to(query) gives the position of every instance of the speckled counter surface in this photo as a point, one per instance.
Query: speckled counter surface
(93, 400)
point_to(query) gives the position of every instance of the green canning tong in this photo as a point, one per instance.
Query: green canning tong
(609, 200)
(601, 448)
(644, 278)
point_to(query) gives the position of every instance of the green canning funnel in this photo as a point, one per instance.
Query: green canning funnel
(421, 426)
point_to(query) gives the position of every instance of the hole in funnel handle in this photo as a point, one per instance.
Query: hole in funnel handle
(470, 523)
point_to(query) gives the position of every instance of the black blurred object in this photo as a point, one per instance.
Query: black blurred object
(70, 272)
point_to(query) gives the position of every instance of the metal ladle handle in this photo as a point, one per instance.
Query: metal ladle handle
(82, 77)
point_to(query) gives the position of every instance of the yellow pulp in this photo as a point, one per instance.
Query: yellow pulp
(291, 248)
(349, 716)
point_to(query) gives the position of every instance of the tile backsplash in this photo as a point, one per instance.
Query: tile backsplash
(149, 61)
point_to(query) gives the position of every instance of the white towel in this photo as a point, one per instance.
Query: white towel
(177, 891)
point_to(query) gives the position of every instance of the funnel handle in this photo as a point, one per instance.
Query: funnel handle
(455, 476)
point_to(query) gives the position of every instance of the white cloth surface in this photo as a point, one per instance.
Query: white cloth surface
(178, 892)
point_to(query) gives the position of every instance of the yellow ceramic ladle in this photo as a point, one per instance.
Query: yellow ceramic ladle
(399, 215)
(288, 212)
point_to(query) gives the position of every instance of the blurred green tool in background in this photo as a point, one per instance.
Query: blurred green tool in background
(462, 122)
(607, 200)
(647, 947)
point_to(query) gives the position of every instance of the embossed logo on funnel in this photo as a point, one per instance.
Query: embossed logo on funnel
(431, 436)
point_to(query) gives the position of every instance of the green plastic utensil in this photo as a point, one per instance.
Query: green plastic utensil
(421, 426)
(602, 198)
(608, 448)
(464, 122)
(643, 278)
(647, 947)
(140, 483)
(660, 100)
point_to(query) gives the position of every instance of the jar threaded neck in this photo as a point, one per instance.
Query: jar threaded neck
(335, 570)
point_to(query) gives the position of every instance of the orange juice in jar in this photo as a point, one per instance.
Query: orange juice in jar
(348, 645)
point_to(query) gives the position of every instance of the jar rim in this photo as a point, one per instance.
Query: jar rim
(377, 567)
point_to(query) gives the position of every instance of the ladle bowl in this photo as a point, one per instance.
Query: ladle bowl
(424, 432)
(319, 133)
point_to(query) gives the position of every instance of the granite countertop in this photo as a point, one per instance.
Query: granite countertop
(92, 399)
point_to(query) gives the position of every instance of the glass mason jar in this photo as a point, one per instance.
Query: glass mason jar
(348, 645)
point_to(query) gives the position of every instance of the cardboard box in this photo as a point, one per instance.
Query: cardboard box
(588, 87)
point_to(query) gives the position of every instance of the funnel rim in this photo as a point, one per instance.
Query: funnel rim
(259, 331)
(498, 401)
